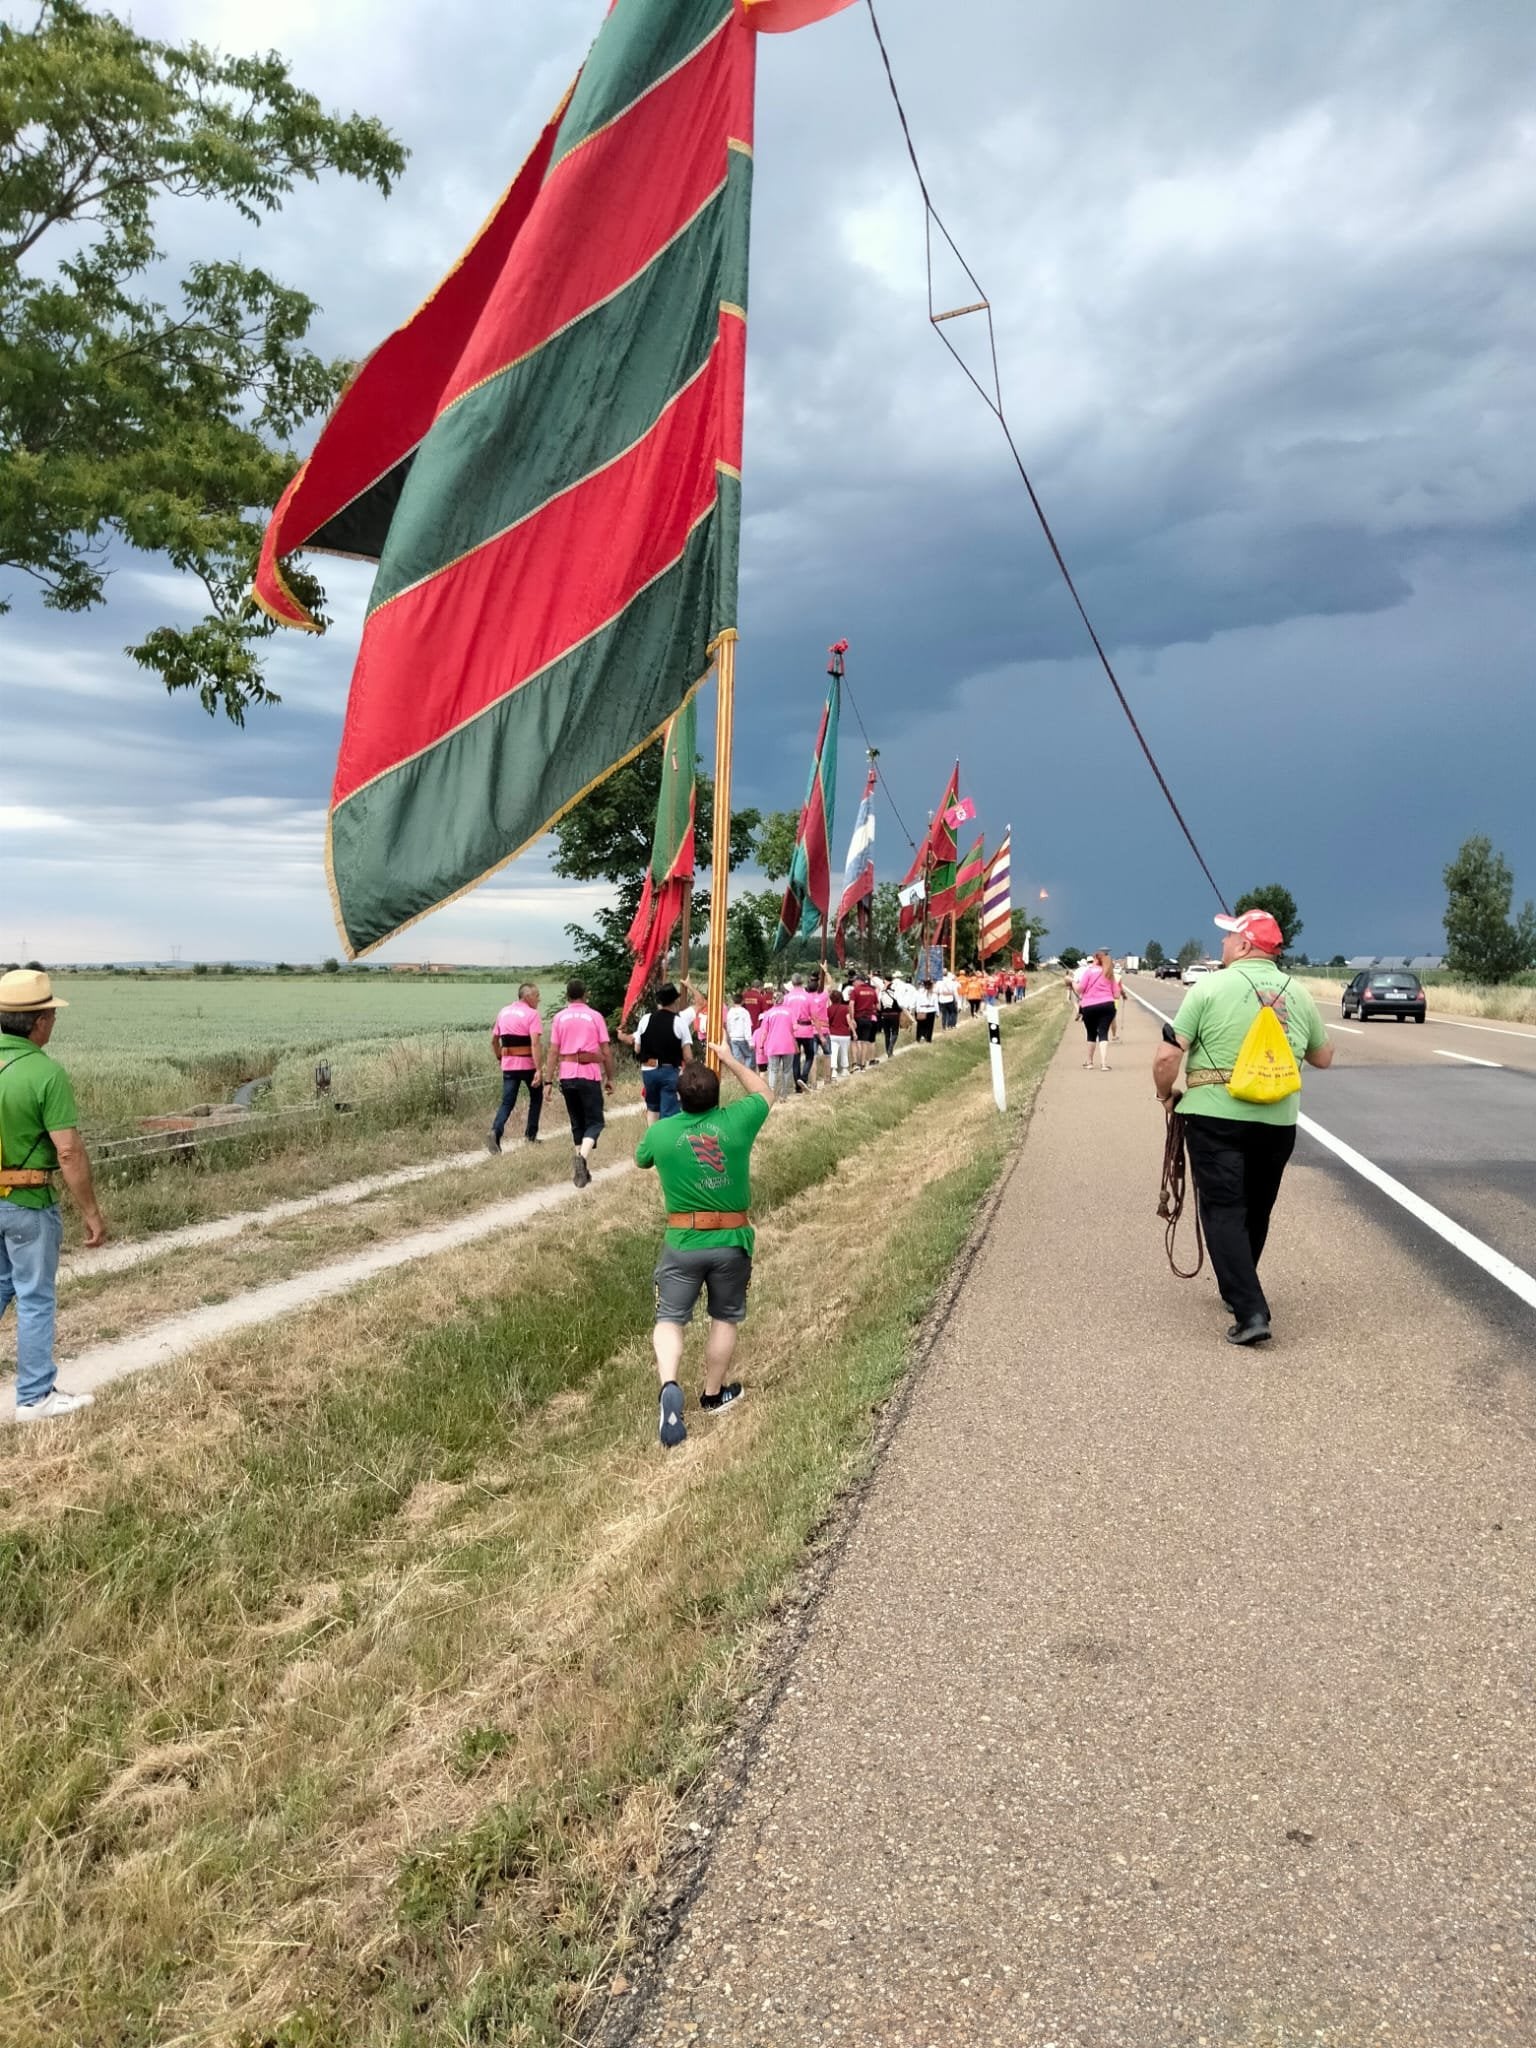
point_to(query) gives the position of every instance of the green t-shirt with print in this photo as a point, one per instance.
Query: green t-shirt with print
(705, 1162)
(35, 1098)
(1214, 1018)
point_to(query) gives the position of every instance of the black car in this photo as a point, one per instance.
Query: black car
(1382, 992)
(1166, 970)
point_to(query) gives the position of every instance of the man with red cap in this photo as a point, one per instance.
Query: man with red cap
(1238, 1149)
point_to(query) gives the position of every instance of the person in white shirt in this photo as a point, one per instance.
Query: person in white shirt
(738, 1031)
(948, 993)
(925, 1009)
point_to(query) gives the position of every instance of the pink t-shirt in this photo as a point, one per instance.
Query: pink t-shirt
(519, 1020)
(802, 1017)
(576, 1034)
(1094, 986)
(821, 1009)
(778, 1032)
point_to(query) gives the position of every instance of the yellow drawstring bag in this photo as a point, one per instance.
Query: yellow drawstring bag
(1265, 1069)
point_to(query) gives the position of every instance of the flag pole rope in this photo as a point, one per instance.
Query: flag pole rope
(993, 400)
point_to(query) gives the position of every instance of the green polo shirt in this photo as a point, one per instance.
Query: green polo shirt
(1214, 1019)
(705, 1162)
(35, 1098)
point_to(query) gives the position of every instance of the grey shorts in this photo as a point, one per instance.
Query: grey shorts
(722, 1272)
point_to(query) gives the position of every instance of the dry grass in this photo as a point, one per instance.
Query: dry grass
(353, 1681)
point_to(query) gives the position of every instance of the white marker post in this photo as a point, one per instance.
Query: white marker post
(995, 1036)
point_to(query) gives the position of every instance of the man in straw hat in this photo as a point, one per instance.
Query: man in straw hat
(39, 1137)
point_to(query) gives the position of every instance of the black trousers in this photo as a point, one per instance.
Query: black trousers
(584, 1107)
(1238, 1169)
(925, 1029)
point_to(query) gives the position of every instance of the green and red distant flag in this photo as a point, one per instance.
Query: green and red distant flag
(933, 865)
(969, 879)
(545, 464)
(670, 874)
(997, 901)
(808, 896)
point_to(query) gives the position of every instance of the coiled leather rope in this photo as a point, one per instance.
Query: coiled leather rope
(1171, 1199)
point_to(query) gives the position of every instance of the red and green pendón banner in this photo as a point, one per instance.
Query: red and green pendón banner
(808, 897)
(968, 881)
(545, 463)
(670, 874)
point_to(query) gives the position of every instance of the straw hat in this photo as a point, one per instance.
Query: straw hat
(25, 989)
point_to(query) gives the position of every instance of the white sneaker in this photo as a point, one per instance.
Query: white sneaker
(56, 1403)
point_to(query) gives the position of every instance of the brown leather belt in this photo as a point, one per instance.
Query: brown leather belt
(25, 1176)
(709, 1219)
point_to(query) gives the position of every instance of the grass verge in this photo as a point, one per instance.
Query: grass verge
(350, 1683)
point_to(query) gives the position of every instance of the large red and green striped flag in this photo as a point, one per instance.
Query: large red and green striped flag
(808, 895)
(969, 878)
(545, 464)
(670, 874)
(942, 853)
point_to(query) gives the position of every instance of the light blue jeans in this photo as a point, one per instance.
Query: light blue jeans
(29, 1268)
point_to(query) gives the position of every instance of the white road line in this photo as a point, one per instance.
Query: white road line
(1498, 1030)
(1441, 1053)
(1494, 1264)
(1354, 1030)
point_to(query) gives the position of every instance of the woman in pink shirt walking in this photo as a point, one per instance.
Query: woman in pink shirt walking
(1095, 987)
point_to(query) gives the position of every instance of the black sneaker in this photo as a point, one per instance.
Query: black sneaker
(713, 1403)
(581, 1173)
(1255, 1331)
(492, 1142)
(670, 1429)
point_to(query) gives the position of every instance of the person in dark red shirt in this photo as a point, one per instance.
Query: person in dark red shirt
(864, 1002)
(840, 1030)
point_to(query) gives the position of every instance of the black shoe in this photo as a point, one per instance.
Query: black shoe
(581, 1173)
(492, 1142)
(530, 1138)
(713, 1403)
(1255, 1331)
(670, 1428)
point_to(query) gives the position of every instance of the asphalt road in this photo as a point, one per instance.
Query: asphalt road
(1420, 1102)
(1163, 1695)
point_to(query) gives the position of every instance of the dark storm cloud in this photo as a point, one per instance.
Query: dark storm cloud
(1264, 302)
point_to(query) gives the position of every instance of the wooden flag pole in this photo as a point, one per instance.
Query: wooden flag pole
(720, 843)
(685, 937)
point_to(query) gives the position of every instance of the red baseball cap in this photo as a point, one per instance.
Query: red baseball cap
(1256, 925)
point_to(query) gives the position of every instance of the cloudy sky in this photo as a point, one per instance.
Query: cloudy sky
(1265, 303)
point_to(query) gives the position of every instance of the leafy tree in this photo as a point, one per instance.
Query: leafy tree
(330, 966)
(607, 838)
(775, 847)
(750, 922)
(1153, 954)
(1280, 904)
(1338, 960)
(1039, 931)
(1483, 942)
(1070, 957)
(1189, 953)
(123, 416)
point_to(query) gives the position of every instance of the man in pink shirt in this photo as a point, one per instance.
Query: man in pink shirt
(821, 1018)
(515, 1042)
(579, 1049)
(776, 1040)
(802, 1020)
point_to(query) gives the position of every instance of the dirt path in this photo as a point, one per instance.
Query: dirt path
(94, 1368)
(116, 1258)
(1165, 1693)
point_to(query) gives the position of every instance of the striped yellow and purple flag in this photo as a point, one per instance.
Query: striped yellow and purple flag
(997, 901)
(969, 879)
(545, 464)
(808, 895)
